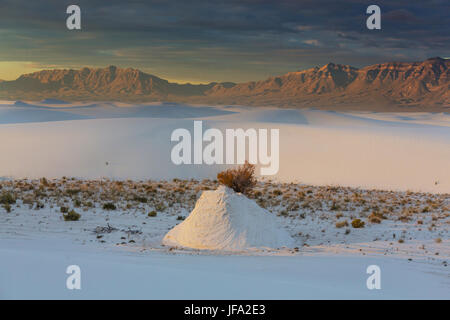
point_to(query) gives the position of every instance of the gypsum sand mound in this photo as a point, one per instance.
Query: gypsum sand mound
(229, 221)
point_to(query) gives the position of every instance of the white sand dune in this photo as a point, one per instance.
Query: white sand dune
(108, 274)
(225, 220)
(409, 151)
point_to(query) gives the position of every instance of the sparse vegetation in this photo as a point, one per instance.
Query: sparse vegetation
(7, 198)
(358, 223)
(72, 216)
(160, 207)
(335, 206)
(341, 224)
(292, 202)
(7, 207)
(109, 206)
(376, 217)
(277, 192)
(140, 199)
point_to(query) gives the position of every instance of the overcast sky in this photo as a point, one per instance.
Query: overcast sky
(202, 41)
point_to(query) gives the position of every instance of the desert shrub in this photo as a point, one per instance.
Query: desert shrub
(293, 207)
(180, 218)
(373, 219)
(64, 209)
(72, 216)
(7, 207)
(358, 223)
(39, 205)
(241, 179)
(438, 240)
(404, 218)
(160, 206)
(109, 206)
(376, 217)
(152, 213)
(72, 192)
(277, 192)
(7, 198)
(335, 206)
(140, 199)
(44, 182)
(341, 224)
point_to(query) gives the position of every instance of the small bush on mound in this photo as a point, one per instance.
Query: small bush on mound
(241, 179)
(72, 216)
(152, 213)
(109, 206)
(358, 223)
(64, 209)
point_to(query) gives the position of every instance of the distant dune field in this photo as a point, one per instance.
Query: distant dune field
(407, 151)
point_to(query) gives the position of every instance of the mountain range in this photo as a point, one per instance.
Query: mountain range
(392, 86)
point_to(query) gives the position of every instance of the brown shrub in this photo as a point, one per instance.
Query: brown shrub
(7, 198)
(72, 216)
(376, 217)
(241, 179)
(341, 224)
(357, 223)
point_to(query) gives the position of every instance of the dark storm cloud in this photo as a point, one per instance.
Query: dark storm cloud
(238, 39)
